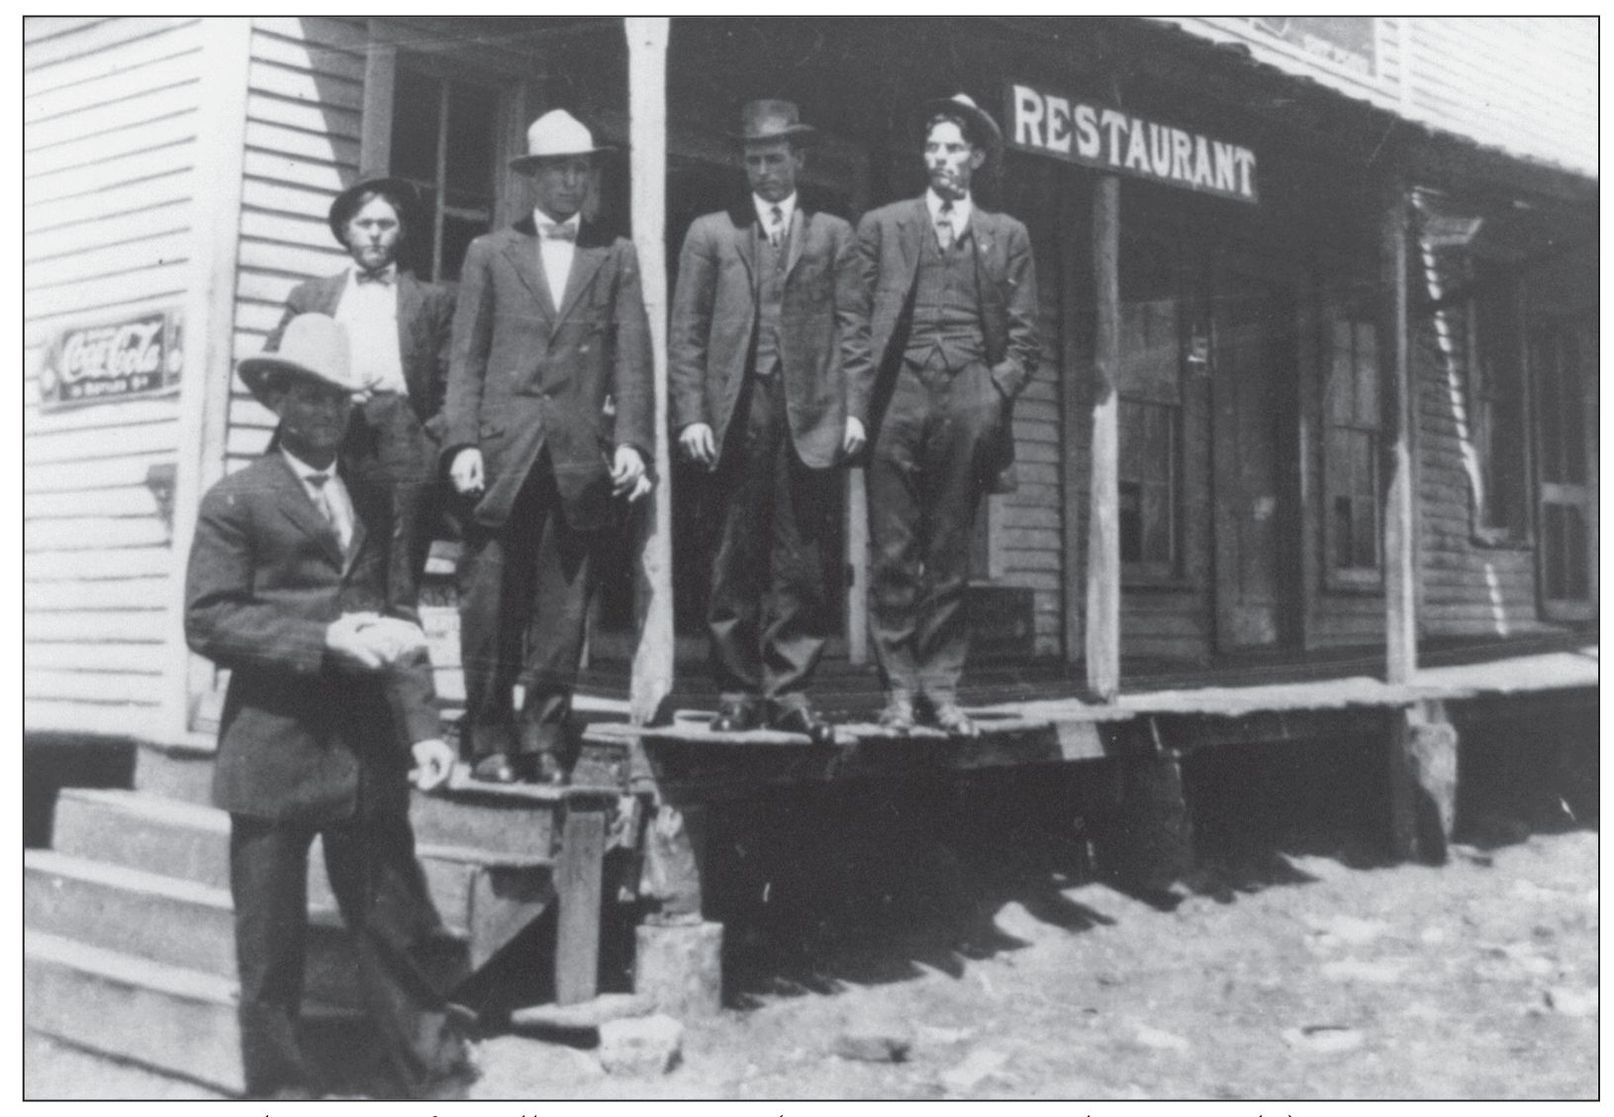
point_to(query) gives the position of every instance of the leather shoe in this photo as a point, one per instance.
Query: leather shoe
(494, 769)
(806, 721)
(735, 717)
(542, 768)
(948, 716)
(897, 717)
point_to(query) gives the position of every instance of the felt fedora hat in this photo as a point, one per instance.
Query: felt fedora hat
(346, 203)
(314, 346)
(554, 135)
(984, 129)
(762, 121)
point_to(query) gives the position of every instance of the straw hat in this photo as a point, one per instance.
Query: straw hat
(554, 135)
(764, 121)
(315, 346)
(347, 202)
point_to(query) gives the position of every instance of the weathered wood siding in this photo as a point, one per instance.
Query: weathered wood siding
(1461, 74)
(110, 122)
(305, 96)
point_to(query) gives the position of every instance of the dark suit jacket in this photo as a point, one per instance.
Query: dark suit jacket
(425, 326)
(266, 577)
(889, 240)
(714, 322)
(528, 373)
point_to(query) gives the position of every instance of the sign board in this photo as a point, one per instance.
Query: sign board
(127, 359)
(1346, 41)
(1107, 139)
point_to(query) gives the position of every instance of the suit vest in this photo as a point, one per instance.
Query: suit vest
(770, 299)
(946, 306)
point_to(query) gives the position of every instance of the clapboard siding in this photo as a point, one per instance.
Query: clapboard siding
(111, 116)
(1380, 87)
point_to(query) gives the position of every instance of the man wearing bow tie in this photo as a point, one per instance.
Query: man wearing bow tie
(944, 339)
(548, 431)
(400, 329)
(757, 398)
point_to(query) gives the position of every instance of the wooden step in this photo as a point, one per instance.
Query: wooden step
(169, 921)
(172, 1019)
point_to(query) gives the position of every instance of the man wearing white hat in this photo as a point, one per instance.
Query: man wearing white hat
(945, 338)
(547, 431)
(329, 686)
(758, 399)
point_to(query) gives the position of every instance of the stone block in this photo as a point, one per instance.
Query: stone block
(640, 1046)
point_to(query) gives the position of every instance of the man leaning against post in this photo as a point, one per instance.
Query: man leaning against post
(944, 339)
(757, 397)
(547, 429)
(286, 590)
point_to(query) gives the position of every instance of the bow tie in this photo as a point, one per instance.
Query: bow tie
(383, 277)
(566, 231)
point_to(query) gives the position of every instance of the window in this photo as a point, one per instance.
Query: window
(444, 139)
(1150, 415)
(1351, 453)
(1496, 400)
(1563, 362)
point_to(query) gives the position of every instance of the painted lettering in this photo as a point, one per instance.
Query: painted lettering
(1160, 149)
(1087, 139)
(1027, 116)
(1226, 170)
(1246, 161)
(1182, 150)
(1137, 149)
(1058, 124)
(1115, 123)
(1202, 163)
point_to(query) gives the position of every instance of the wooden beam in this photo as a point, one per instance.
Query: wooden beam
(1103, 523)
(1072, 405)
(375, 125)
(578, 886)
(1400, 512)
(647, 129)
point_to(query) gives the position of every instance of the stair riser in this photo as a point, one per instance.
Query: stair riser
(176, 848)
(164, 929)
(520, 830)
(189, 1037)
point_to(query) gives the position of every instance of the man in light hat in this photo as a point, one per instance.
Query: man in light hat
(400, 329)
(945, 338)
(757, 398)
(547, 433)
(284, 591)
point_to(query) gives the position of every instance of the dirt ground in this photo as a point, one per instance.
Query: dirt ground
(1292, 963)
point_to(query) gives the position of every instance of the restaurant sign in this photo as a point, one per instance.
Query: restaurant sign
(1107, 139)
(131, 358)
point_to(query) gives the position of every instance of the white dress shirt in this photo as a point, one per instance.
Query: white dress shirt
(960, 212)
(556, 255)
(331, 495)
(369, 310)
(787, 211)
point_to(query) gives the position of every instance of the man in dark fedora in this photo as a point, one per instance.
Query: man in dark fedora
(945, 338)
(329, 705)
(547, 430)
(757, 397)
(400, 329)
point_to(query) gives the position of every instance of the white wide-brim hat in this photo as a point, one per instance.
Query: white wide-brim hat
(556, 135)
(314, 346)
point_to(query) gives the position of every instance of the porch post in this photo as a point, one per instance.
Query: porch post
(647, 138)
(1103, 522)
(1400, 512)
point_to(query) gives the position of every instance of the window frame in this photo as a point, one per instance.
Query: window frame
(1520, 534)
(1336, 578)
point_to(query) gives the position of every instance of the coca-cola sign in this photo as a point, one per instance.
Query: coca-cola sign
(136, 357)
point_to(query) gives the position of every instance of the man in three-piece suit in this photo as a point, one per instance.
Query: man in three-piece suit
(399, 329)
(944, 339)
(547, 426)
(287, 589)
(757, 397)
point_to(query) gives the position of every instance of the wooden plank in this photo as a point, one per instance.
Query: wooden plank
(84, 151)
(114, 259)
(298, 232)
(90, 686)
(1400, 500)
(272, 197)
(100, 416)
(108, 119)
(94, 235)
(80, 182)
(105, 293)
(82, 476)
(94, 39)
(132, 659)
(1103, 644)
(128, 562)
(297, 172)
(58, 105)
(307, 261)
(127, 721)
(317, 119)
(282, 81)
(126, 198)
(579, 883)
(347, 34)
(317, 146)
(80, 445)
(298, 53)
(92, 533)
(100, 626)
(135, 53)
(133, 500)
(38, 28)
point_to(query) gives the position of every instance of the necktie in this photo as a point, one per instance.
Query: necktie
(776, 226)
(567, 231)
(383, 277)
(322, 501)
(944, 226)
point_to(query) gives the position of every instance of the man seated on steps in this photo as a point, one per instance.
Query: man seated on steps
(285, 589)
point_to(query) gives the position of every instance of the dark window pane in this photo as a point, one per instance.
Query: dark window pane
(1364, 535)
(1367, 377)
(473, 117)
(418, 249)
(457, 237)
(1131, 521)
(1156, 524)
(414, 126)
(1575, 556)
(1342, 532)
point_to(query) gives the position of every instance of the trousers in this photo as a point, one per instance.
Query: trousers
(925, 481)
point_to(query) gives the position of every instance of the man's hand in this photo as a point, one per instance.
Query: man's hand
(466, 471)
(628, 477)
(393, 638)
(346, 641)
(434, 763)
(855, 436)
(698, 445)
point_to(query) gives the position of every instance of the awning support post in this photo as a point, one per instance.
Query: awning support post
(1103, 522)
(1400, 511)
